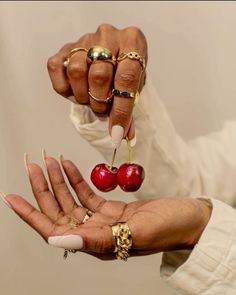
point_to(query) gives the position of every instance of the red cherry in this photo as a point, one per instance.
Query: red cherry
(130, 177)
(103, 177)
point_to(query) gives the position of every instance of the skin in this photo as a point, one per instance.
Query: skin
(102, 77)
(156, 225)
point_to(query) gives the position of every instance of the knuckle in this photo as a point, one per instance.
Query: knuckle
(75, 70)
(134, 31)
(100, 76)
(104, 28)
(61, 89)
(129, 78)
(53, 64)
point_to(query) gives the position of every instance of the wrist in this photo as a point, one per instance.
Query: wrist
(205, 210)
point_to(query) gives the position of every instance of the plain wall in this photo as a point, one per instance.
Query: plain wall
(192, 61)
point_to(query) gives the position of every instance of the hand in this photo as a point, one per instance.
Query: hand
(101, 77)
(156, 225)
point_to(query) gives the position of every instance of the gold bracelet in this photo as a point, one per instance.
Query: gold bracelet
(123, 240)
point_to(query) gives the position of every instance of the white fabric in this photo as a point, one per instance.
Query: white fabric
(204, 166)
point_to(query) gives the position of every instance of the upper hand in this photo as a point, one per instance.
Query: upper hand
(102, 77)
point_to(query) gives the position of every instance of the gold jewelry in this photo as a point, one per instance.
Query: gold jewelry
(106, 100)
(99, 53)
(133, 55)
(87, 216)
(126, 94)
(123, 239)
(73, 222)
(73, 51)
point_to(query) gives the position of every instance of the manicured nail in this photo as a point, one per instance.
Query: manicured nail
(44, 156)
(26, 161)
(66, 242)
(117, 134)
(72, 99)
(133, 141)
(3, 196)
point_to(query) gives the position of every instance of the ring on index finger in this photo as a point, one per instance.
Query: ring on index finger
(133, 55)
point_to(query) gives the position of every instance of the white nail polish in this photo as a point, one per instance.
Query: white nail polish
(133, 141)
(26, 160)
(117, 134)
(72, 99)
(3, 196)
(44, 156)
(66, 242)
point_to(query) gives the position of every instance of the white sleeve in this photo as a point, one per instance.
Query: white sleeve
(204, 166)
(210, 268)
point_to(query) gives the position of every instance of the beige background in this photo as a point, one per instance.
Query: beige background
(192, 49)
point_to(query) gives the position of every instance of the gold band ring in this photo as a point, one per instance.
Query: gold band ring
(99, 53)
(87, 216)
(133, 55)
(73, 51)
(126, 94)
(106, 100)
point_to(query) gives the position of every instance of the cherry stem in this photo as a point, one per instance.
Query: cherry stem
(130, 156)
(113, 159)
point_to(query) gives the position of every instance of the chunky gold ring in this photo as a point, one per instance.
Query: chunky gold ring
(133, 55)
(99, 53)
(73, 51)
(73, 222)
(123, 239)
(87, 216)
(106, 100)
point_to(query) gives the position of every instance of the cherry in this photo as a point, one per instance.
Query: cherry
(130, 177)
(104, 177)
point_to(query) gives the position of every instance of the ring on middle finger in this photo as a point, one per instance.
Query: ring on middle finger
(106, 100)
(100, 53)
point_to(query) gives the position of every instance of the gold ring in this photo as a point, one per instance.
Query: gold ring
(106, 100)
(87, 216)
(133, 55)
(123, 239)
(126, 94)
(99, 53)
(73, 51)
(73, 222)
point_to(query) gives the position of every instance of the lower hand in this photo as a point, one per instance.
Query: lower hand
(156, 225)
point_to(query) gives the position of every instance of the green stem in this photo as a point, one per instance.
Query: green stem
(113, 159)
(130, 156)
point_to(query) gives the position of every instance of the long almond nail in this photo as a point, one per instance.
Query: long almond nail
(26, 161)
(133, 141)
(3, 196)
(44, 156)
(117, 134)
(66, 242)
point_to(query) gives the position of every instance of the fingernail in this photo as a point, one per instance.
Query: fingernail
(26, 160)
(44, 156)
(61, 158)
(133, 141)
(117, 134)
(3, 196)
(66, 242)
(72, 99)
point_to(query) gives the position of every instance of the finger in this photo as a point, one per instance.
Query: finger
(44, 197)
(85, 194)
(57, 72)
(37, 220)
(100, 79)
(77, 72)
(88, 239)
(59, 187)
(127, 78)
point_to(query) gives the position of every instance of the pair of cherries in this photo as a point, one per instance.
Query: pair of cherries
(129, 176)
